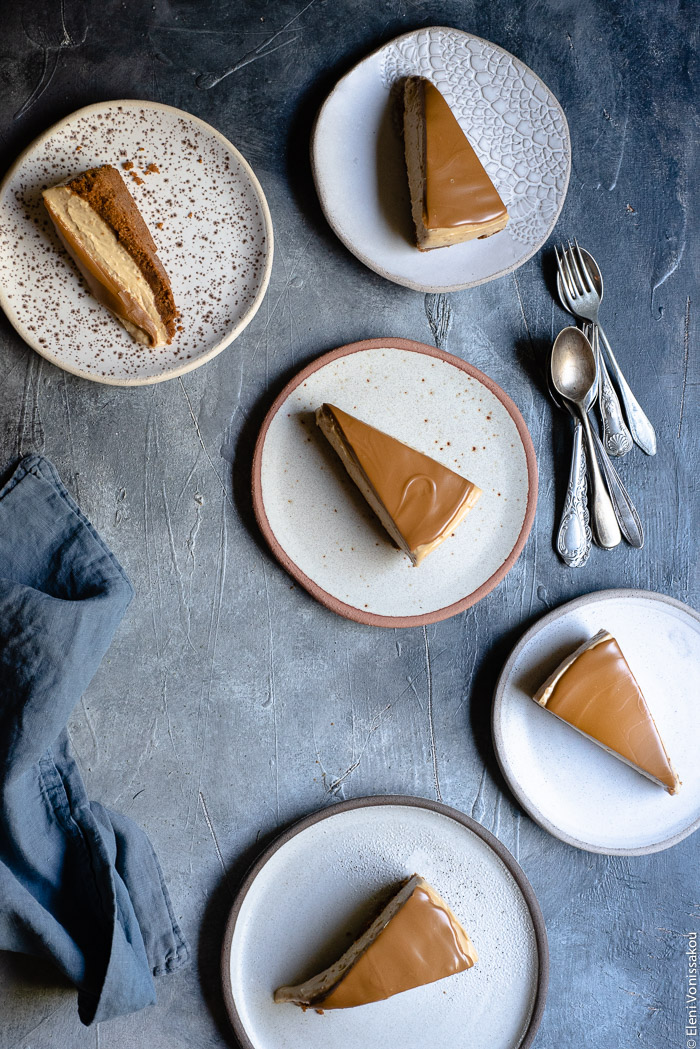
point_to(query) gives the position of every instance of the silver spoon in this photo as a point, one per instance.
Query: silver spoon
(574, 538)
(575, 378)
(616, 437)
(575, 506)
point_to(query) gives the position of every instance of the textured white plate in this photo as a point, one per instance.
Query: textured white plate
(572, 787)
(512, 120)
(215, 241)
(321, 528)
(309, 896)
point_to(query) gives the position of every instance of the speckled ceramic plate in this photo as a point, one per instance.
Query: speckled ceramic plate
(204, 207)
(322, 530)
(512, 120)
(319, 884)
(570, 786)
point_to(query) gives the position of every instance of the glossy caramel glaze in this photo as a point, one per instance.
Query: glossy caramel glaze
(598, 694)
(423, 498)
(422, 943)
(457, 189)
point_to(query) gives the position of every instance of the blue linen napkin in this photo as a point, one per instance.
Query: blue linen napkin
(78, 884)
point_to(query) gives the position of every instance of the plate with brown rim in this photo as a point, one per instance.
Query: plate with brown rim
(317, 886)
(319, 526)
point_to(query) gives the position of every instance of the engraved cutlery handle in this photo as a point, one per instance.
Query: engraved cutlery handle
(625, 510)
(641, 429)
(574, 535)
(605, 527)
(616, 437)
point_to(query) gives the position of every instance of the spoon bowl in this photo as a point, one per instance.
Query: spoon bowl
(573, 368)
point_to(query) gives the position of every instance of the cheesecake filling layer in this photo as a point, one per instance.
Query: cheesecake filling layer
(414, 941)
(595, 692)
(418, 500)
(112, 275)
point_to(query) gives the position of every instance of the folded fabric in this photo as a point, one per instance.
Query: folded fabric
(78, 884)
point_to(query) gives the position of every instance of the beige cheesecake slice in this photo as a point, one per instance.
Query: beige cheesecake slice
(104, 233)
(595, 692)
(452, 197)
(418, 500)
(415, 940)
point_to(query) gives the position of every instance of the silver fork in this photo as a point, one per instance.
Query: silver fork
(584, 302)
(616, 437)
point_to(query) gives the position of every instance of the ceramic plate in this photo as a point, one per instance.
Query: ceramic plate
(321, 528)
(205, 210)
(318, 886)
(572, 787)
(512, 120)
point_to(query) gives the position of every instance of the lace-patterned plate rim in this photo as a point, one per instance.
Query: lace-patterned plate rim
(387, 263)
(81, 337)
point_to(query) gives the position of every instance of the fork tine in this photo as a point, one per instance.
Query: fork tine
(585, 272)
(573, 286)
(577, 273)
(562, 272)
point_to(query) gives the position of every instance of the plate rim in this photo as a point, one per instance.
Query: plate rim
(364, 259)
(615, 593)
(342, 608)
(189, 366)
(409, 801)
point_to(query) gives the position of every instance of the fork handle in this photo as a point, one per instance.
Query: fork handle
(616, 436)
(641, 429)
(605, 526)
(625, 510)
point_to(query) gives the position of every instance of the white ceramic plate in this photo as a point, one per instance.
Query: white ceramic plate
(319, 884)
(512, 120)
(215, 241)
(572, 787)
(320, 527)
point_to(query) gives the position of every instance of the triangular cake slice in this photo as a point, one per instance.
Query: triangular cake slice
(415, 940)
(452, 197)
(418, 500)
(104, 233)
(595, 692)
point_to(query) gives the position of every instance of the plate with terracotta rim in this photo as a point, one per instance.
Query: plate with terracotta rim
(567, 784)
(513, 121)
(319, 884)
(321, 529)
(204, 207)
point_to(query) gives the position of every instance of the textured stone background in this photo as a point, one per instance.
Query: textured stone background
(231, 703)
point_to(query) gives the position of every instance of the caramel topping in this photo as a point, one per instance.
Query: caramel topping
(423, 498)
(457, 189)
(596, 692)
(422, 943)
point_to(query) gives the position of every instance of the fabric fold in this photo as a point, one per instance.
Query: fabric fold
(79, 885)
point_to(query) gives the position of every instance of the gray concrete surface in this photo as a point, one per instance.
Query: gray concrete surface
(230, 702)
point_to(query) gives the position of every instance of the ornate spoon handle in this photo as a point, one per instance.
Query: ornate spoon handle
(616, 437)
(641, 429)
(625, 510)
(574, 535)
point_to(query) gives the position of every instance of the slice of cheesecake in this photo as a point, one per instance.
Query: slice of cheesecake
(452, 197)
(417, 499)
(595, 692)
(416, 939)
(105, 235)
